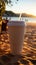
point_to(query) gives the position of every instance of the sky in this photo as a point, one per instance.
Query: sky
(23, 6)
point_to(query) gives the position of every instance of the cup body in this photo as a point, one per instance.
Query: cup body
(16, 32)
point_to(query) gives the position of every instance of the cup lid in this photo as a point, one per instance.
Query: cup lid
(16, 23)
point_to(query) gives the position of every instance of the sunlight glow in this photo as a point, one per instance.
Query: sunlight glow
(23, 6)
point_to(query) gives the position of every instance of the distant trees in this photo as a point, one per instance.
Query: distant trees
(7, 2)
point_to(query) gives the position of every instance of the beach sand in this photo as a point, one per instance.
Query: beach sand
(29, 46)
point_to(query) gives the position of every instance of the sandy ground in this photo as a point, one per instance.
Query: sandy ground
(29, 46)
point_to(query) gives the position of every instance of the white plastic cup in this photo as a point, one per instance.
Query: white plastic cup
(16, 31)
